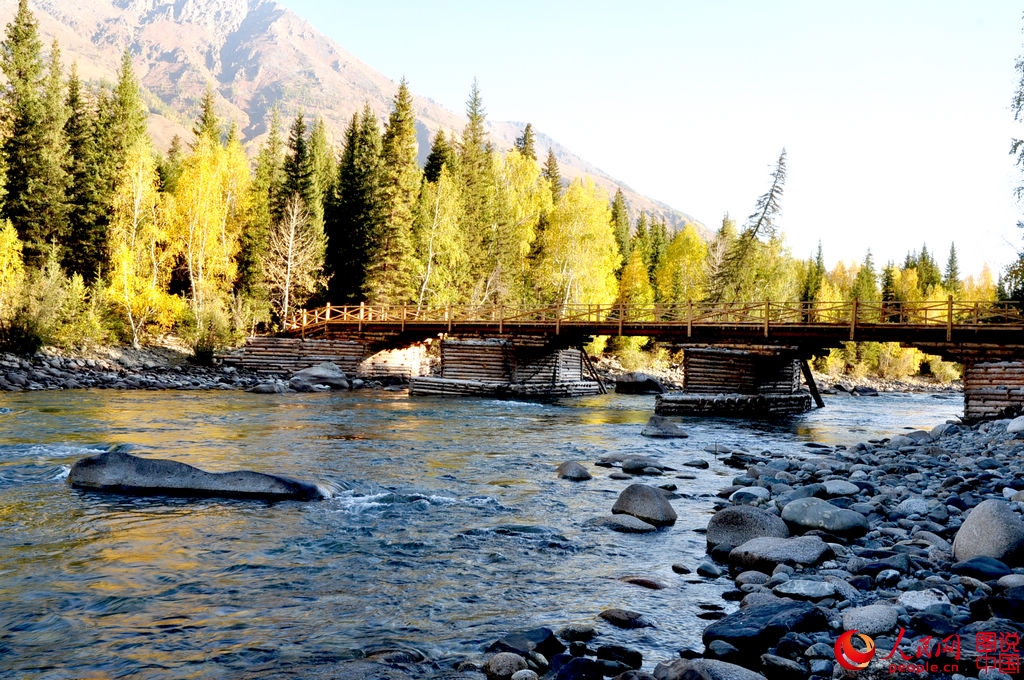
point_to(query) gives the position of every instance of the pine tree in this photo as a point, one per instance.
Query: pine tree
(658, 246)
(88, 195)
(865, 284)
(356, 207)
(126, 112)
(389, 267)
(170, 166)
(928, 273)
(814, 278)
(298, 171)
(524, 144)
(641, 240)
(34, 148)
(620, 223)
(207, 125)
(441, 154)
(475, 169)
(552, 175)
(323, 171)
(951, 278)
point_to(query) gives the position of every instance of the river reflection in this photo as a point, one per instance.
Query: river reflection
(449, 529)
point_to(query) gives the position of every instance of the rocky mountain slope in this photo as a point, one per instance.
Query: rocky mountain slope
(255, 54)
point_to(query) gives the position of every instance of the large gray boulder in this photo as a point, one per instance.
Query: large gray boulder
(703, 669)
(121, 472)
(738, 524)
(764, 554)
(805, 514)
(646, 503)
(325, 373)
(992, 529)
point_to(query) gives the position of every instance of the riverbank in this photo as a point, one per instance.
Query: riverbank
(915, 540)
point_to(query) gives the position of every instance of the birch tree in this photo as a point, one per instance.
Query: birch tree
(296, 258)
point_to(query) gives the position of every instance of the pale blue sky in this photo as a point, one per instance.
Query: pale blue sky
(894, 113)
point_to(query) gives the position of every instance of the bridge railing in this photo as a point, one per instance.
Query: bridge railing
(854, 313)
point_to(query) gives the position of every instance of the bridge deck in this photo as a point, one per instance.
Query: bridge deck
(946, 324)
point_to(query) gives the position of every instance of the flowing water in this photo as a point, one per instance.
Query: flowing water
(448, 527)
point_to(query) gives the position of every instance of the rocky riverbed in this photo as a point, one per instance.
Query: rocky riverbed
(915, 540)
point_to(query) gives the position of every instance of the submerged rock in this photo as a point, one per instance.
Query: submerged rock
(645, 503)
(121, 472)
(325, 373)
(660, 426)
(573, 471)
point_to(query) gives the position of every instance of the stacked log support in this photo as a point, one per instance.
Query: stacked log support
(736, 405)
(288, 355)
(992, 388)
(520, 367)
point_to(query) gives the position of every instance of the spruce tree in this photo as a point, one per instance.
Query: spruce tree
(928, 273)
(865, 284)
(390, 261)
(475, 169)
(524, 144)
(620, 224)
(88, 193)
(814, 278)
(355, 209)
(322, 169)
(34, 149)
(951, 278)
(207, 125)
(442, 154)
(171, 165)
(657, 248)
(298, 171)
(552, 175)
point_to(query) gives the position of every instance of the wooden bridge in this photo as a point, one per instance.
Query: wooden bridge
(987, 337)
(947, 327)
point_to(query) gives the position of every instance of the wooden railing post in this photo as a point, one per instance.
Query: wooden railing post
(949, 319)
(501, 319)
(362, 312)
(689, 319)
(328, 313)
(304, 321)
(853, 319)
(405, 309)
(767, 313)
(448, 318)
(622, 316)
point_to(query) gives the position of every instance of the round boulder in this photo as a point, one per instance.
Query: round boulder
(324, 373)
(873, 619)
(660, 426)
(805, 514)
(504, 665)
(738, 524)
(573, 471)
(645, 503)
(992, 529)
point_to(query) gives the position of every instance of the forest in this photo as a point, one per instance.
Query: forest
(106, 239)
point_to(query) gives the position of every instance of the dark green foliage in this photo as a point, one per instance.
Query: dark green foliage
(477, 183)
(20, 335)
(865, 284)
(552, 174)
(298, 171)
(323, 171)
(207, 124)
(620, 223)
(35, 150)
(524, 144)
(89, 192)
(355, 208)
(951, 277)
(170, 166)
(814, 278)
(657, 247)
(642, 238)
(441, 154)
(390, 262)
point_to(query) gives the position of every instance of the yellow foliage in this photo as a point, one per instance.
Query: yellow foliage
(12, 269)
(681, 276)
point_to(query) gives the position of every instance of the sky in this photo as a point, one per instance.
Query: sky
(895, 115)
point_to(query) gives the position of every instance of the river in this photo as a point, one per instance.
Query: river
(449, 527)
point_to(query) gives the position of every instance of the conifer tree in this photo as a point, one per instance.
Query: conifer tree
(88, 194)
(441, 154)
(389, 267)
(356, 207)
(125, 113)
(323, 170)
(298, 171)
(442, 273)
(681, 275)
(865, 284)
(171, 164)
(657, 246)
(641, 240)
(34, 150)
(475, 169)
(814, 278)
(620, 223)
(207, 126)
(928, 273)
(553, 175)
(524, 144)
(951, 278)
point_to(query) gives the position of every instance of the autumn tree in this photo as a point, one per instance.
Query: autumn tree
(578, 252)
(865, 283)
(442, 272)
(553, 175)
(681, 276)
(295, 258)
(951, 277)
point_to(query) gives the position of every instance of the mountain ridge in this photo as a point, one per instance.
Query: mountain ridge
(257, 54)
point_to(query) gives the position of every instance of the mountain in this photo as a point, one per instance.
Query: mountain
(255, 54)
